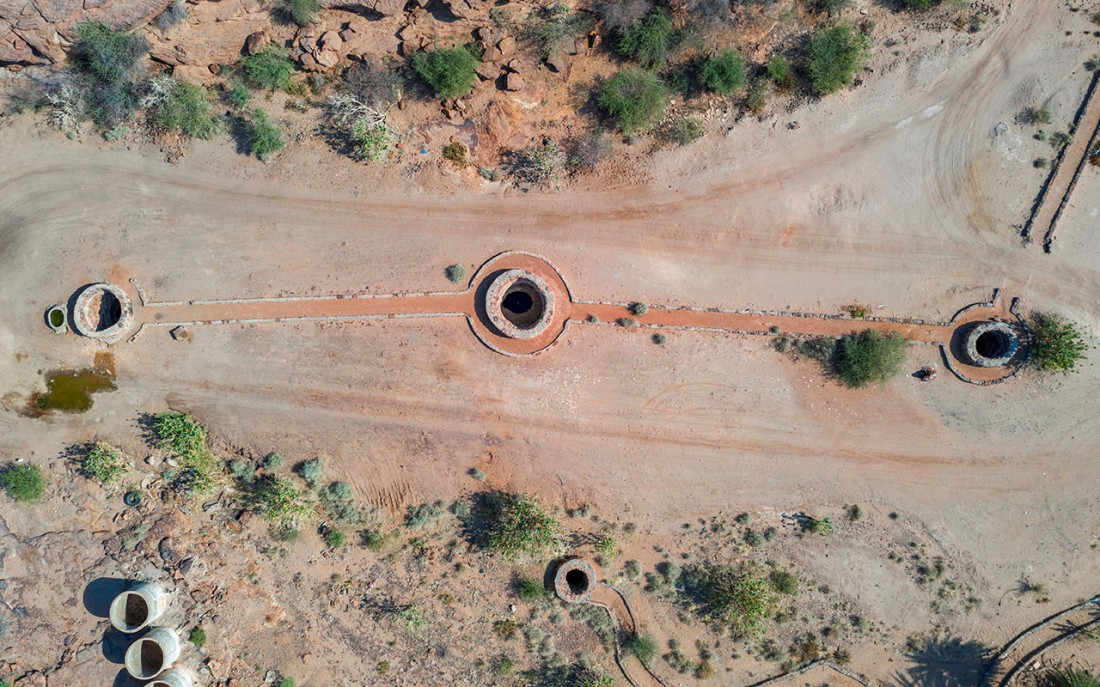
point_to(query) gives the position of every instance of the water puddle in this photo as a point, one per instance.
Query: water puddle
(70, 391)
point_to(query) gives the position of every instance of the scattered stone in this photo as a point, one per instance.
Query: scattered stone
(331, 40)
(186, 565)
(167, 553)
(212, 507)
(507, 46)
(152, 461)
(181, 333)
(308, 62)
(487, 71)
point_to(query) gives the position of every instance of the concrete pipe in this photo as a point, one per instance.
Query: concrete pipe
(138, 608)
(152, 654)
(176, 677)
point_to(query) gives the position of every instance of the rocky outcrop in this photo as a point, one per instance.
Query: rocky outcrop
(214, 33)
(36, 31)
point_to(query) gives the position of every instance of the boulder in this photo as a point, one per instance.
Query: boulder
(256, 42)
(328, 58)
(330, 40)
(514, 82)
(486, 71)
(309, 62)
(196, 74)
(507, 46)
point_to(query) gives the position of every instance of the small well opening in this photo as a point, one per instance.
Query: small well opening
(152, 657)
(577, 580)
(137, 610)
(992, 344)
(103, 311)
(522, 304)
(57, 317)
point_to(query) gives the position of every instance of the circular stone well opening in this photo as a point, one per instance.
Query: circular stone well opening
(519, 304)
(992, 344)
(102, 311)
(575, 581)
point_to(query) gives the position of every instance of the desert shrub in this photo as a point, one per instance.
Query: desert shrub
(834, 56)
(1058, 345)
(606, 546)
(451, 72)
(530, 590)
(339, 502)
(300, 12)
(186, 109)
(311, 471)
(819, 526)
(506, 629)
(552, 28)
(287, 682)
(242, 470)
(1037, 116)
(822, 349)
(285, 534)
(784, 581)
(116, 134)
(854, 512)
(682, 130)
(709, 13)
(107, 64)
(456, 273)
(174, 14)
(642, 646)
(522, 527)
(1060, 139)
(753, 538)
(182, 436)
(540, 164)
(335, 539)
(757, 97)
(104, 463)
(631, 569)
(780, 72)
(633, 99)
(373, 540)
(455, 152)
(724, 73)
(263, 135)
(627, 322)
(23, 482)
(280, 500)
(372, 140)
(1040, 163)
(197, 637)
(739, 598)
(830, 7)
(587, 150)
(273, 461)
(373, 83)
(869, 356)
(856, 311)
(423, 514)
(638, 309)
(660, 339)
(619, 15)
(652, 40)
(238, 94)
(270, 68)
(1069, 677)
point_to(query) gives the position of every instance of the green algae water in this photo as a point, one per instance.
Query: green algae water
(57, 318)
(70, 391)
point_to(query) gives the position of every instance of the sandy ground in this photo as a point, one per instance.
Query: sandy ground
(896, 194)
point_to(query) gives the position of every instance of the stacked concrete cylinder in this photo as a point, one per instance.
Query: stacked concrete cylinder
(151, 656)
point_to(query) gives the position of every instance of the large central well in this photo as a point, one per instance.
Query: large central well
(519, 304)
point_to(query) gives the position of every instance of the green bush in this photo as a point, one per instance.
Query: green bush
(834, 56)
(372, 140)
(757, 97)
(104, 463)
(780, 72)
(23, 482)
(633, 99)
(311, 471)
(724, 73)
(423, 514)
(642, 646)
(652, 40)
(339, 502)
(107, 64)
(455, 152)
(455, 273)
(784, 581)
(639, 309)
(552, 29)
(300, 12)
(281, 501)
(451, 72)
(1057, 344)
(186, 109)
(683, 130)
(739, 598)
(183, 437)
(373, 540)
(238, 94)
(530, 590)
(197, 637)
(263, 135)
(287, 682)
(335, 539)
(869, 356)
(270, 68)
(820, 526)
(522, 527)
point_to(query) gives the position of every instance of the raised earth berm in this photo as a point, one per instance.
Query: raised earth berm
(575, 581)
(176, 677)
(149, 656)
(135, 609)
(519, 304)
(103, 312)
